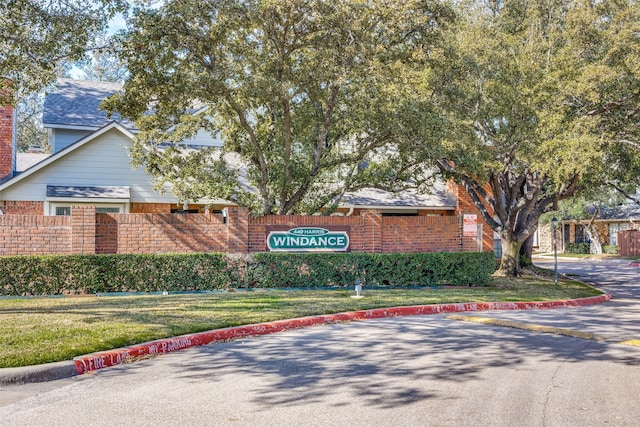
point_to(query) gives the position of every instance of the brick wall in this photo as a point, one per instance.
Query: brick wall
(22, 208)
(150, 208)
(238, 230)
(35, 235)
(372, 232)
(362, 234)
(6, 141)
(83, 230)
(159, 233)
(421, 234)
(466, 206)
(86, 232)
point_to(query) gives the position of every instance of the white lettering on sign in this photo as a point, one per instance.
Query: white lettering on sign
(308, 239)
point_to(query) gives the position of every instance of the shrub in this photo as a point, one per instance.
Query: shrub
(610, 249)
(89, 274)
(577, 248)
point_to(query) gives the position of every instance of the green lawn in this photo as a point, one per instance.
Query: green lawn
(41, 330)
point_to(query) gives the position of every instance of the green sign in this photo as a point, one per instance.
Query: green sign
(308, 239)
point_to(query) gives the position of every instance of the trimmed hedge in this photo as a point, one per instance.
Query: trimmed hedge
(578, 248)
(90, 274)
(395, 269)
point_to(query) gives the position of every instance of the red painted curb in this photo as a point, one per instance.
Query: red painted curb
(95, 361)
(634, 264)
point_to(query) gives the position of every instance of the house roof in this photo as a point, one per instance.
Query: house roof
(438, 198)
(75, 104)
(26, 160)
(625, 212)
(86, 192)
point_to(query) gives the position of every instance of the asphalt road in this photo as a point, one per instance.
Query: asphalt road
(422, 371)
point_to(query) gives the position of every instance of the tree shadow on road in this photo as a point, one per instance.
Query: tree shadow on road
(385, 363)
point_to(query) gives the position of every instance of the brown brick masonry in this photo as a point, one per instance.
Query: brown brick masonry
(6, 140)
(34, 235)
(86, 232)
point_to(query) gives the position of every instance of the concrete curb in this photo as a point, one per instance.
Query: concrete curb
(93, 362)
(38, 373)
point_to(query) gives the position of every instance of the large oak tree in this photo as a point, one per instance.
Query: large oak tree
(305, 94)
(37, 36)
(512, 82)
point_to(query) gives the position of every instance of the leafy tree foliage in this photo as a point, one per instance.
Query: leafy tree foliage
(103, 63)
(30, 133)
(513, 79)
(306, 96)
(36, 36)
(608, 91)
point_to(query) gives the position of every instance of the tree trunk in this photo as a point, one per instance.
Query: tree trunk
(510, 263)
(595, 245)
(526, 252)
(596, 242)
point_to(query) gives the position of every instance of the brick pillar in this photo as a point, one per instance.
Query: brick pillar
(83, 230)
(238, 230)
(464, 205)
(7, 141)
(373, 230)
(572, 234)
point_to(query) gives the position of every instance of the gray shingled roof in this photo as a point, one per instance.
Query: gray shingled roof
(76, 103)
(104, 192)
(371, 197)
(625, 212)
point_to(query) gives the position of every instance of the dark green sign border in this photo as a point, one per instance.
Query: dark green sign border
(308, 239)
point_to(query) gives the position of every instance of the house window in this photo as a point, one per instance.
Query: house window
(108, 210)
(581, 234)
(614, 227)
(63, 210)
(182, 211)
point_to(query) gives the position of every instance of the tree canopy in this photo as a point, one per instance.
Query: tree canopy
(515, 80)
(305, 95)
(36, 36)
(103, 64)
(608, 92)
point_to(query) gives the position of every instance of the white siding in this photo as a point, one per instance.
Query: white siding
(62, 138)
(103, 161)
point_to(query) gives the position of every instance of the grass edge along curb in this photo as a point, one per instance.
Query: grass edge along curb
(104, 359)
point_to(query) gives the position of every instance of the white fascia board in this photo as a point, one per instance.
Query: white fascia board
(50, 126)
(393, 207)
(85, 200)
(72, 127)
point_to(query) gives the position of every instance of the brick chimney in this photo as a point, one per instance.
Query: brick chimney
(7, 142)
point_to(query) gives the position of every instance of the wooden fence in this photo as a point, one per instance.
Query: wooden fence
(629, 243)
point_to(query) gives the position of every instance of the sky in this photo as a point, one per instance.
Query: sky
(116, 24)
